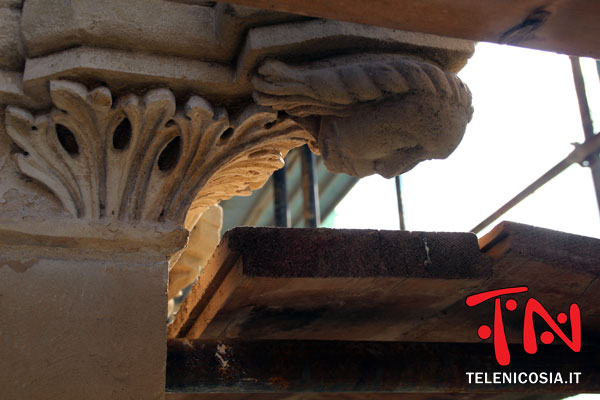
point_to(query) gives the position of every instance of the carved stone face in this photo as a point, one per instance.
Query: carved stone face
(392, 137)
(379, 113)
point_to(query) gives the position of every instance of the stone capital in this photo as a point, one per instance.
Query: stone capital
(140, 159)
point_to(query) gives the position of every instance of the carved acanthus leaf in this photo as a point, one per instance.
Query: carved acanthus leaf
(142, 160)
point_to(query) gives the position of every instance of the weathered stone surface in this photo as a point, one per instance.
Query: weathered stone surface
(228, 81)
(205, 233)
(312, 40)
(216, 49)
(378, 113)
(14, 4)
(11, 91)
(393, 137)
(81, 324)
(196, 30)
(154, 26)
(204, 238)
(11, 46)
(20, 198)
(140, 160)
(126, 71)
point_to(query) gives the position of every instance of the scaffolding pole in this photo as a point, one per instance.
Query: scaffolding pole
(581, 153)
(282, 215)
(586, 122)
(310, 190)
(400, 207)
(585, 154)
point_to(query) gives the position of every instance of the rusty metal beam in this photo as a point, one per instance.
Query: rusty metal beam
(196, 366)
(567, 26)
(364, 396)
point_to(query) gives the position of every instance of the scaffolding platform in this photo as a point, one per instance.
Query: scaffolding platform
(361, 313)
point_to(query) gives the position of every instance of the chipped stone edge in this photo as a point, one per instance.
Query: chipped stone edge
(94, 237)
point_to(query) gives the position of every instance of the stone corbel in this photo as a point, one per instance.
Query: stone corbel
(370, 113)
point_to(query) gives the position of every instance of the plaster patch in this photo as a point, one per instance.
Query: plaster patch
(19, 266)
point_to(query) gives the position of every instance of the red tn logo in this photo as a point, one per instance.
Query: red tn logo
(529, 335)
